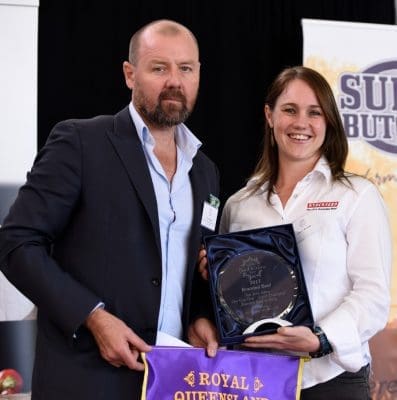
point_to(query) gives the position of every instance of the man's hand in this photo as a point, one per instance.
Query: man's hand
(117, 343)
(296, 338)
(202, 333)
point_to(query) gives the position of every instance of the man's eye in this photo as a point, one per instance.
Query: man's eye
(159, 69)
(186, 68)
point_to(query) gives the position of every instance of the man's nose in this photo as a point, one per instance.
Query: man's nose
(174, 77)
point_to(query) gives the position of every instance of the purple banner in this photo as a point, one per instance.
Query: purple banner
(174, 373)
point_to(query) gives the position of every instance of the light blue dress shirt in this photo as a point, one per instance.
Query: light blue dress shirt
(175, 209)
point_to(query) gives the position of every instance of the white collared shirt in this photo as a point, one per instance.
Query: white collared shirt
(344, 243)
(175, 211)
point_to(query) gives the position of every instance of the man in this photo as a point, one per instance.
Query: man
(104, 235)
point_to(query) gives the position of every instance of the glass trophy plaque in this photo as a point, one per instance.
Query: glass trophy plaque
(257, 287)
(256, 282)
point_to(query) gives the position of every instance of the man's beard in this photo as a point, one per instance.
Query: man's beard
(164, 117)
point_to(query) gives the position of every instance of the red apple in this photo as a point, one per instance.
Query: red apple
(10, 381)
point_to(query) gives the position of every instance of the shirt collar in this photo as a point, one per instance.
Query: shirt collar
(320, 169)
(186, 141)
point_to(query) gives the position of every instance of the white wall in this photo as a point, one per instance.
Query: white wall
(18, 88)
(18, 121)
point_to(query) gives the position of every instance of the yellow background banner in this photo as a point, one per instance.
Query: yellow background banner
(336, 48)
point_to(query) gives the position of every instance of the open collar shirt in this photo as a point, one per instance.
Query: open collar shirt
(344, 242)
(175, 211)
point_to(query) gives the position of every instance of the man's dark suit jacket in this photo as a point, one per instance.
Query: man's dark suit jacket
(85, 229)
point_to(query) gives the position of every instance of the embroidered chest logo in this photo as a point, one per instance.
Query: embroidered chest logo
(322, 205)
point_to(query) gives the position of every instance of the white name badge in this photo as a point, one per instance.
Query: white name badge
(210, 215)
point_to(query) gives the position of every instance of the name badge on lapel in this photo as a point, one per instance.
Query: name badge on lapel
(210, 212)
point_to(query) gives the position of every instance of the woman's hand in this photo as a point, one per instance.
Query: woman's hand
(202, 263)
(292, 338)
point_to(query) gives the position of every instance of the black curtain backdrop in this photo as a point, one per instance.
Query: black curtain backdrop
(243, 45)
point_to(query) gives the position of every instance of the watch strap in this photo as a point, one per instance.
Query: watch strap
(325, 346)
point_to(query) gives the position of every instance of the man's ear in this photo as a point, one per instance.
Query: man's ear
(129, 75)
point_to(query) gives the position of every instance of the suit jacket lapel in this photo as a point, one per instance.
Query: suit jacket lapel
(200, 194)
(129, 148)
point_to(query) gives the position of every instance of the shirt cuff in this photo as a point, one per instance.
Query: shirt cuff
(99, 305)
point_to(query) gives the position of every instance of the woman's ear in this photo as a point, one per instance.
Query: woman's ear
(269, 115)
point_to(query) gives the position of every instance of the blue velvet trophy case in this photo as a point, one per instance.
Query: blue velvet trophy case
(257, 282)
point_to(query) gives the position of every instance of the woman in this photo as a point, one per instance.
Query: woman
(342, 230)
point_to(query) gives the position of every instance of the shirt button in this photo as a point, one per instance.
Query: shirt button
(295, 196)
(156, 282)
